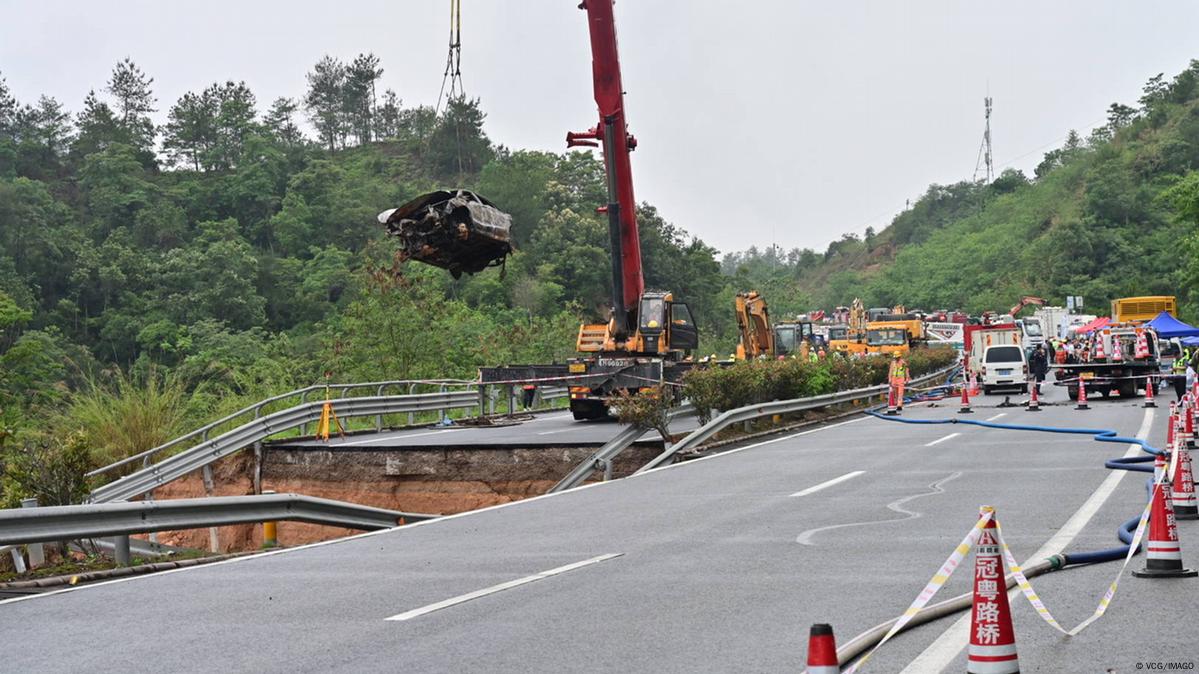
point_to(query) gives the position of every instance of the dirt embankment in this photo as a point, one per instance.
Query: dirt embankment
(434, 480)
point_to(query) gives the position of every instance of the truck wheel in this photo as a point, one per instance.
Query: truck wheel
(1128, 389)
(1072, 391)
(1105, 392)
(585, 410)
(987, 390)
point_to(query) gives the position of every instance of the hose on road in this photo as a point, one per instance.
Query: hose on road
(859, 644)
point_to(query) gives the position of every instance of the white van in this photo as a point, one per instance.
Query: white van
(1004, 366)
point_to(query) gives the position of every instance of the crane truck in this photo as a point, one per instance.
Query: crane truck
(649, 335)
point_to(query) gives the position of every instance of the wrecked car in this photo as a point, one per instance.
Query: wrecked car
(456, 230)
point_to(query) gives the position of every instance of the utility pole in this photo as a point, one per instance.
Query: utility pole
(983, 164)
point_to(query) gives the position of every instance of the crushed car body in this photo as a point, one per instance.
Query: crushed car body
(456, 230)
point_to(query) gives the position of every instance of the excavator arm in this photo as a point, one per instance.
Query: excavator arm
(753, 322)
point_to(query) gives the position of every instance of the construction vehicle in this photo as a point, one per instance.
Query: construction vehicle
(649, 334)
(1110, 362)
(753, 323)
(978, 338)
(1026, 301)
(760, 339)
(1141, 309)
(854, 340)
(895, 336)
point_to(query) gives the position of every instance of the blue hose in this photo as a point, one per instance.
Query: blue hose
(1100, 435)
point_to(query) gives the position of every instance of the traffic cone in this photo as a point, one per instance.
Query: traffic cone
(992, 638)
(1182, 492)
(965, 408)
(1159, 467)
(1082, 396)
(1100, 354)
(1163, 554)
(1149, 393)
(1034, 400)
(1188, 420)
(1141, 350)
(1171, 425)
(822, 650)
(892, 409)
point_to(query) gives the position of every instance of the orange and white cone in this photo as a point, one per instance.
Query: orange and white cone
(1159, 467)
(1141, 350)
(1100, 354)
(1149, 393)
(892, 406)
(1188, 421)
(1082, 396)
(822, 650)
(1034, 399)
(1182, 492)
(1163, 553)
(973, 383)
(1172, 425)
(992, 637)
(965, 408)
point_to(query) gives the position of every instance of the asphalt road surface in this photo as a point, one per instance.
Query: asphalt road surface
(719, 564)
(549, 428)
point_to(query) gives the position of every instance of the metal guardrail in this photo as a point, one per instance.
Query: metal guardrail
(256, 410)
(750, 412)
(603, 456)
(198, 456)
(60, 523)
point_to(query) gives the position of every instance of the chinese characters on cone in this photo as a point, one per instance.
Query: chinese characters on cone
(992, 638)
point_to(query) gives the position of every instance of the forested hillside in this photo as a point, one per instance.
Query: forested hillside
(225, 256)
(1111, 215)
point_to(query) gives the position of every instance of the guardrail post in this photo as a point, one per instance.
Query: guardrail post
(443, 389)
(511, 399)
(270, 533)
(379, 418)
(491, 396)
(214, 536)
(37, 554)
(18, 560)
(411, 415)
(482, 400)
(304, 426)
(120, 550)
(257, 477)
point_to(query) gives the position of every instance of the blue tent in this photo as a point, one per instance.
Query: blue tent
(1167, 326)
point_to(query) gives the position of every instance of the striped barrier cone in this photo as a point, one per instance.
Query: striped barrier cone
(822, 650)
(992, 637)
(965, 408)
(1182, 492)
(1159, 467)
(1188, 429)
(1034, 400)
(1170, 426)
(1163, 553)
(1100, 354)
(1149, 393)
(1141, 350)
(892, 409)
(1082, 396)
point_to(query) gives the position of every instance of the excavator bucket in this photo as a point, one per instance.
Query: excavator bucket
(456, 230)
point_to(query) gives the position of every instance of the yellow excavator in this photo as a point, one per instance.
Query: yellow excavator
(761, 339)
(851, 339)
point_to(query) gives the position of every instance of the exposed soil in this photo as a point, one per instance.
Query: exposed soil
(442, 480)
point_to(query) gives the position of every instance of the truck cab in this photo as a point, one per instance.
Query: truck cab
(888, 340)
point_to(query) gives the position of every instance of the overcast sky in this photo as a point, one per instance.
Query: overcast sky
(783, 121)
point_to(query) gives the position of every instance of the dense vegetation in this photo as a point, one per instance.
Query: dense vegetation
(155, 277)
(1108, 216)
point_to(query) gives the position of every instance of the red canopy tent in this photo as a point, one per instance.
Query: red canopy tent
(1097, 324)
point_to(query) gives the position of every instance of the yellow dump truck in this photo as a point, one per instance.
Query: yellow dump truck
(1139, 309)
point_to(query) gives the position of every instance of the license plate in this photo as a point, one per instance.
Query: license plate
(1005, 372)
(578, 368)
(1087, 375)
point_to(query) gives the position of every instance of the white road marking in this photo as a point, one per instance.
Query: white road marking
(942, 652)
(1001, 414)
(383, 532)
(391, 438)
(560, 430)
(828, 483)
(940, 440)
(896, 506)
(454, 601)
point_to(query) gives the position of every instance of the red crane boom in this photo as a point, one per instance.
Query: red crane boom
(612, 133)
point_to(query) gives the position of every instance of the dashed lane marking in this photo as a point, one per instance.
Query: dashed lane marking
(828, 483)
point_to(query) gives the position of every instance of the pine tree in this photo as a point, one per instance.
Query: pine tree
(8, 110)
(359, 96)
(281, 124)
(189, 134)
(135, 101)
(325, 101)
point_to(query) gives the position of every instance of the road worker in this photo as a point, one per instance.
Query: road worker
(529, 390)
(898, 377)
(1179, 374)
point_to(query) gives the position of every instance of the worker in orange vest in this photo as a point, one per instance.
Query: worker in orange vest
(898, 376)
(529, 390)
